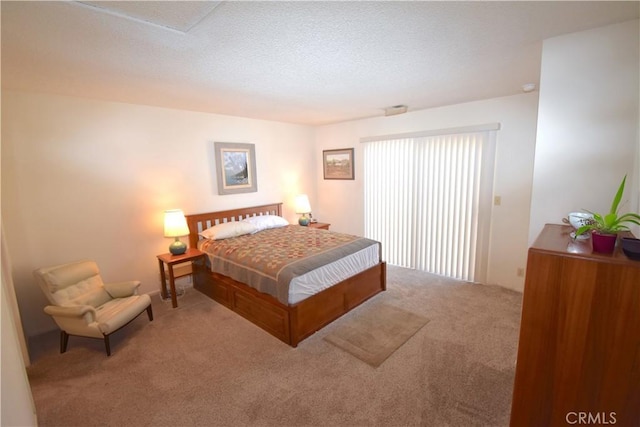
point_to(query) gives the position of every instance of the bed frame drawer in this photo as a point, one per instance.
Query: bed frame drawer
(270, 318)
(221, 292)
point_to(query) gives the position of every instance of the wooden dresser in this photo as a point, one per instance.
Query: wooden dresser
(579, 348)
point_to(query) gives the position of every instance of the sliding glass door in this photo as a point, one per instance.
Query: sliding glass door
(428, 200)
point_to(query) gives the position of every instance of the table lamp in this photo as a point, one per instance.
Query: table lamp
(175, 225)
(303, 207)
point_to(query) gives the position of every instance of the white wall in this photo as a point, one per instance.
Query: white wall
(342, 204)
(17, 406)
(588, 123)
(83, 178)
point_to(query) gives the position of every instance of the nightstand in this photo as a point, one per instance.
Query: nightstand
(321, 225)
(170, 260)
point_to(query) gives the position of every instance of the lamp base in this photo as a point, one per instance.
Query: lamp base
(177, 247)
(304, 220)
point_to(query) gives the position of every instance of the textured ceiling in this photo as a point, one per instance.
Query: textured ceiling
(298, 62)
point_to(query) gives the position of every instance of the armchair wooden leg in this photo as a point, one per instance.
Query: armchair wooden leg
(150, 313)
(64, 340)
(106, 345)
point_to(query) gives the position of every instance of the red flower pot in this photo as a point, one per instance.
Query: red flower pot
(603, 243)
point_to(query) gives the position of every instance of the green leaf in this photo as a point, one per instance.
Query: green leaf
(616, 200)
(630, 217)
(610, 220)
(584, 228)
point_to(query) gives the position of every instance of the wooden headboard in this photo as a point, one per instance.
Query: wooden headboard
(199, 222)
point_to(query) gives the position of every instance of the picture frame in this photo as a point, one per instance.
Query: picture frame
(338, 163)
(236, 167)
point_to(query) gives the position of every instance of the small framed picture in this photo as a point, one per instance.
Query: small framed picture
(338, 164)
(236, 166)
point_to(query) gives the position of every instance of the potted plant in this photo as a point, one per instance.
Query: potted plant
(604, 228)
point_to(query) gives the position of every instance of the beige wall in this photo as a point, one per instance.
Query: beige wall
(588, 123)
(341, 202)
(84, 178)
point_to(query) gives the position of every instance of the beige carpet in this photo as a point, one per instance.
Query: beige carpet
(203, 365)
(375, 332)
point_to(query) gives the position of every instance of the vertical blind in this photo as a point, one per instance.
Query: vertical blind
(428, 201)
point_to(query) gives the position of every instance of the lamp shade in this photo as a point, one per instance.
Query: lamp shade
(175, 224)
(302, 204)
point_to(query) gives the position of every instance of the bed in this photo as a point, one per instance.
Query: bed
(291, 322)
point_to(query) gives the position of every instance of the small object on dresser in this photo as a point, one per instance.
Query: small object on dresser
(631, 248)
(609, 225)
(578, 219)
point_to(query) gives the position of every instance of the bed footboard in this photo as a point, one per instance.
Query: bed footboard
(291, 323)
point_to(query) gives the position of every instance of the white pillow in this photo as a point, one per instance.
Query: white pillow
(264, 222)
(227, 230)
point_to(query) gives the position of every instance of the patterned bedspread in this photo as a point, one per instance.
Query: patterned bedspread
(270, 259)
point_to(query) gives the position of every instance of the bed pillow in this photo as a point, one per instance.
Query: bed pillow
(264, 222)
(227, 230)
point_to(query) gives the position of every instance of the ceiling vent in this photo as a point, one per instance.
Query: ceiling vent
(396, 109)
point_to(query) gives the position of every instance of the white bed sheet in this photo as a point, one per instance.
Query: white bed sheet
(317, 280)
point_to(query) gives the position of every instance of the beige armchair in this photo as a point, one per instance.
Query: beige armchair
(82, 305)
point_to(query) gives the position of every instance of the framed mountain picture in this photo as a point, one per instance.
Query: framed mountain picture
(236, 166)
